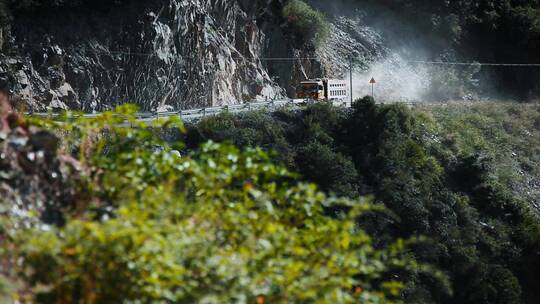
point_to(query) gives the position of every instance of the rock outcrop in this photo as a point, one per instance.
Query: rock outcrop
(182, 53)
(33, 174)
(163, 54)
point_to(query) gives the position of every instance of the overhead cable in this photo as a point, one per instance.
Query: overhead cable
(129, 53)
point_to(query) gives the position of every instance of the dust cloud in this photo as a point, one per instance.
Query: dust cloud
(396, 80)
(400, 80)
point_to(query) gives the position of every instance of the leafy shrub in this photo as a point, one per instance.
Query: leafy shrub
(330, 170)
(454, 173)
(306, 23)
(254, 129)
(217, 225)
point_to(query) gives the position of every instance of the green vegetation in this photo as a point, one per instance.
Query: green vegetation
(216, 225)
(439, 207)
(306, 23)
(464, 176)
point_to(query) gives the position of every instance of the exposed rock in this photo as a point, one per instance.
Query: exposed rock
(350, 39)
(168, 52)
(179, 53)
(67, 96)
(33, 176)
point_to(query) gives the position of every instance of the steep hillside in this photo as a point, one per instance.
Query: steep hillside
(93, 54)
(465, 176)
(138, 221)
(172, 53)
(488, 31)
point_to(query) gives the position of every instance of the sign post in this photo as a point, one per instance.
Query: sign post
(350, 78)
(372, 82)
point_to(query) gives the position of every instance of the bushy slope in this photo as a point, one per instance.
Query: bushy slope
(146, 224)
(464, 176)
(159, 222)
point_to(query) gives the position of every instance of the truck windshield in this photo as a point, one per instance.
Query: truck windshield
(311, 88)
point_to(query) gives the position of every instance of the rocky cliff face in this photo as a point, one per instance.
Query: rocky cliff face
(349, 42)
(181, 53)
(92, 55)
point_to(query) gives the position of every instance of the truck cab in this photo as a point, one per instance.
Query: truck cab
(323, 89)
(312, 89)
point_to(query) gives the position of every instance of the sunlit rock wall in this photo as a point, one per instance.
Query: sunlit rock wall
(164, 54)
(159, 54)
